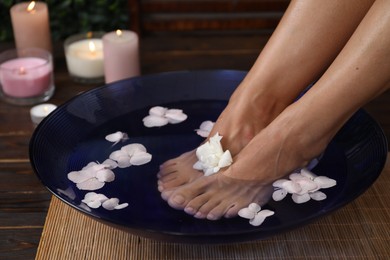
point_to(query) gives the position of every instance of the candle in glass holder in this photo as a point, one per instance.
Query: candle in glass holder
(121, 55)
(26, 76)
(30, 23)
(84, 57)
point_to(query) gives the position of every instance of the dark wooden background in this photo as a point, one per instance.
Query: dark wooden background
(169, 41)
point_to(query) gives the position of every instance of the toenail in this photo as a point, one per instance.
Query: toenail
(199, 215)
(189, 210)
(178, 199)
(211, 217)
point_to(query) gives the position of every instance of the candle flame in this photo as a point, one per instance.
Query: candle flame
(31, 6)
(22, 71)
(92, 47)
(119, 33)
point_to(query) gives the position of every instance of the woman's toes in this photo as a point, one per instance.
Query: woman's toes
(166, 170)
(195, 204)
(232, 211)
(177, 201)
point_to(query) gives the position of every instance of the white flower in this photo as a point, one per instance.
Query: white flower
(160, 116)
(131, 154)
(211, 157)
(303, 186)
(254, 213)
(95, 200)
(92, 177)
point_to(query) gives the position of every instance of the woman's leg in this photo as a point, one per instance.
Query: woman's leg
(359, 73)
(308, 38)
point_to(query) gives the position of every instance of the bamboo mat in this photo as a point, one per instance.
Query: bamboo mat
(360, 230)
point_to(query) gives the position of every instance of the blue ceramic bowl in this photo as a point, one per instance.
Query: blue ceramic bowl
(73, 135)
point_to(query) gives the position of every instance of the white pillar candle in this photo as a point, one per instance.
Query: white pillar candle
(84, 57)
(39, 112)
(121, 55)
(30, 23)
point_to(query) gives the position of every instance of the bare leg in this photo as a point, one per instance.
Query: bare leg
(293, 58)
(302, 130)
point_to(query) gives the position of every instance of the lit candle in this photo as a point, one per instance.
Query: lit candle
(121, 55)
(30, 23)
(39, 112)
(26, 76)
(84, 57)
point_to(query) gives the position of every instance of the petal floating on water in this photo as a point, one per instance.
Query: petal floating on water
(325, 182)
(300, 198)
(130, 149)
(110, 204)
(154, 121)
(279, 194)
(91, 184)
(140, 158)
(246, 213)
(175, 116)
(158, 111)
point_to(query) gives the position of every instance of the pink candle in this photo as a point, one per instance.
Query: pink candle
(30, 22)
(121, 57)
(25, 77)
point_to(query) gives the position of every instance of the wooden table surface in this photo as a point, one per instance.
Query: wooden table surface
(24, 201)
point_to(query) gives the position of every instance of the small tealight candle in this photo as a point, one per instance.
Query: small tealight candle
(84, 57)
(121, 55)
(30, 23)
(39, 112)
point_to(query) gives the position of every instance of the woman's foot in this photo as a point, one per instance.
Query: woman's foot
(217, 195)
(242, 119)
(274, 152)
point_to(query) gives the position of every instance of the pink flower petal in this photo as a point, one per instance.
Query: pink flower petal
(90, 164)
(266, 213)
(105, 175)
(279, 183)
(81, 176)
(140, 158)
(325, 182)
(206, 126)
(115, 155)
(307, 185)
(300, 198)
(154, 121)
(94, 204)
(110, 204)
(121, 206)
(202, 133)
(246, 213)
(318, 195)
(116, 137)
(91, 184)
(110, 164)
(254, 207)
(175, 116)
(158, 111)
(308, 174)
(130, 149)
(291, 187)
(257, 220)
(279, 194)
(124, 162)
